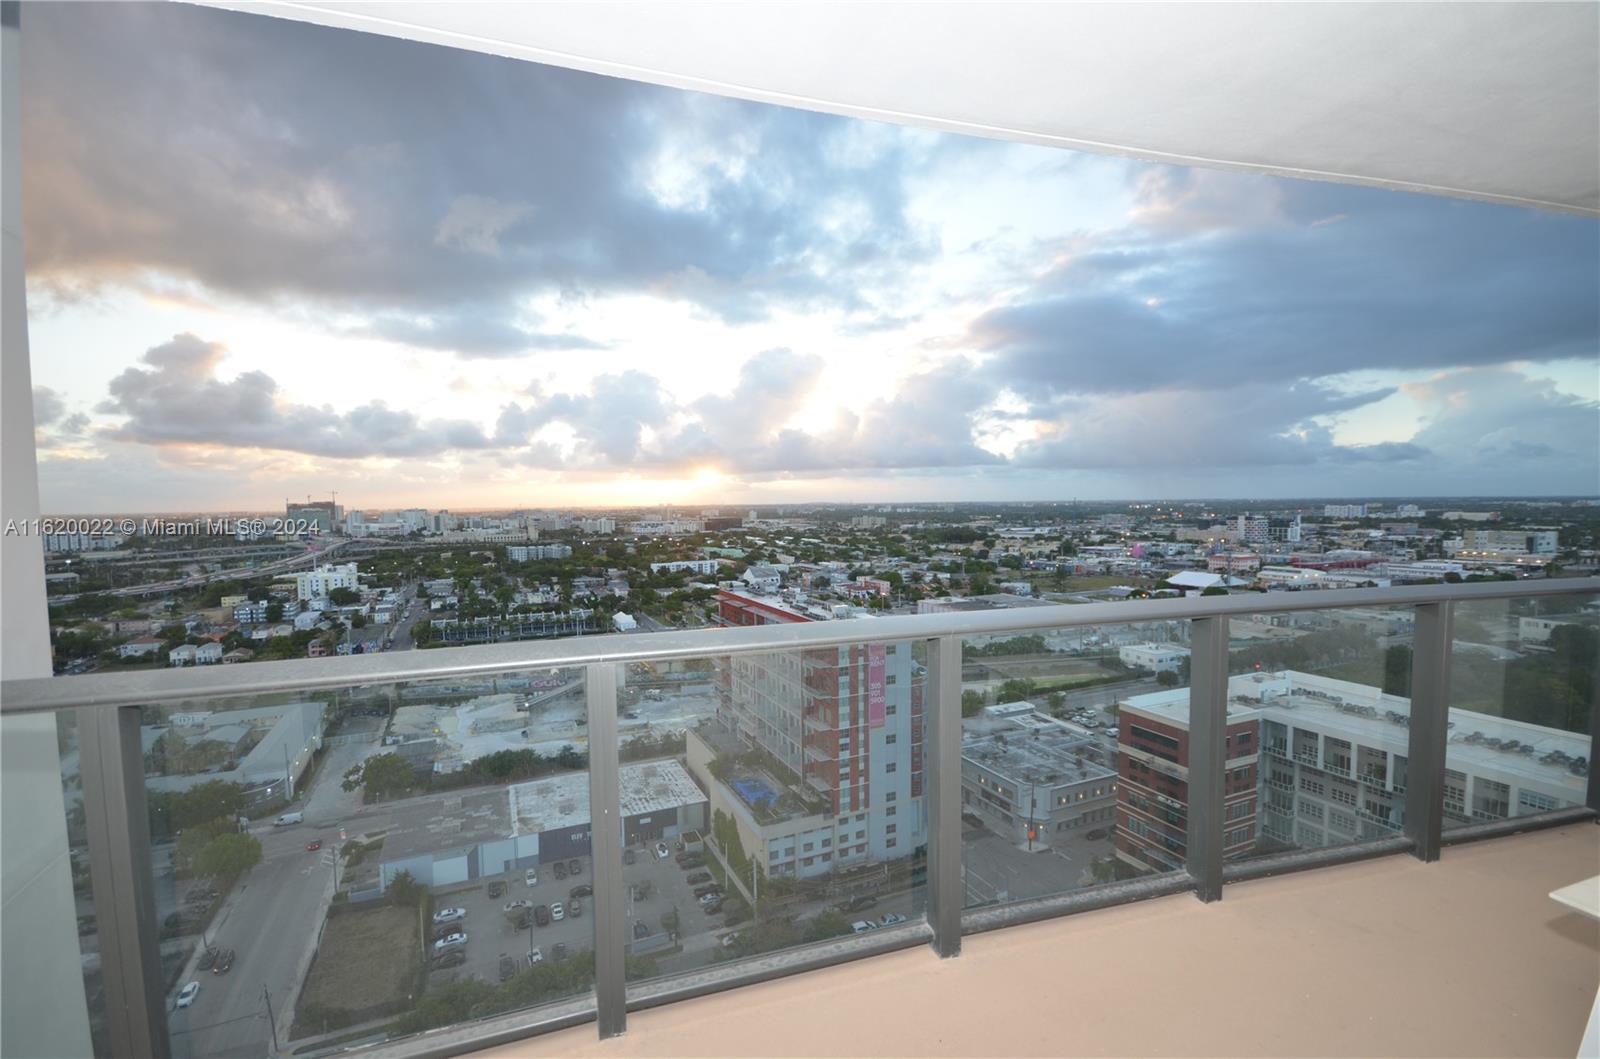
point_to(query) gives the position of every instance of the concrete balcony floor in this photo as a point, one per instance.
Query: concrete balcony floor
(1466, 957)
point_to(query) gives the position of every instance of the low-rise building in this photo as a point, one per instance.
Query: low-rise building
(1158, 658)
(1033, 779)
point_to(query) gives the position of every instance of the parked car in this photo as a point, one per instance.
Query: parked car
(535, 955)
(1097, 833)
(709, 888)
(640, 929)
(449, 915)
(698, 877)
(224, 962)
(189, 992)
(497, 889)
(450, 941)
(531, 877)
(662, 852)
(889, 919)
(710, 895)
(541, 916)
(713, 906)
(574, 867)
(574, 909)
(629, 856)
(559, 953)
(453, 958)
(557, 913)
(581, 890)
(561, 870)
(512, 906)
(508, 967)
(861, 926)
(312, 847)
(729, 941)
(690, 861)
(208, 959)
(859, 902)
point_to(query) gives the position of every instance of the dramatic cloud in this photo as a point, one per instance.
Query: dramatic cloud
(1339, 279)
(265, 159)
(179, 400)
(504, 280)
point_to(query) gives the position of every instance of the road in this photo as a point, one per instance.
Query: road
(271, 922)
(310, 555)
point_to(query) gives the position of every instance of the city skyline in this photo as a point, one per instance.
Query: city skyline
(424, 276)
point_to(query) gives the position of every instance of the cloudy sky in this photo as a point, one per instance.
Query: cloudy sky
(268, 259)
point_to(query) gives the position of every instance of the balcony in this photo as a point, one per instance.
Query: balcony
(133, 899)
(1412, 925)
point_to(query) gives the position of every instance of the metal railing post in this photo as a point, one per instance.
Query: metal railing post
(946, 893)
(605, 842)
(111, 762)
(1430, 711)
(1208, 753)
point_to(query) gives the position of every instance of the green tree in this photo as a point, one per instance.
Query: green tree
(405, 889)
(228, 856)
(828, 924)
(387, 775)
(1167, 678)
(971, 703)
(275, 611)
(343, 597)
(1014, 690)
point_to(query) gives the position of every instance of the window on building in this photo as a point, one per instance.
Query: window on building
(889, 811)
(889, 844)
(889, 797)
(890, 740)
(861, 835)
(890, 767)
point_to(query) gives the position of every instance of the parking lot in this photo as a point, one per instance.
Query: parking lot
(670, 889)
(492, 934)
(996, 870)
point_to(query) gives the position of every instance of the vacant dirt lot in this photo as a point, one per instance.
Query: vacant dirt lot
(368, 959)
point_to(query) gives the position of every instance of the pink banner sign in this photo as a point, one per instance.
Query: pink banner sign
(877, 698)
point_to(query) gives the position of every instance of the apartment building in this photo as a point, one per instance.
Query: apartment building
(838, 782)
(324, 579)
(1153, 780)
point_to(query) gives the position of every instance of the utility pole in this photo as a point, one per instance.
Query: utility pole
(288, 773)
(272, 1022)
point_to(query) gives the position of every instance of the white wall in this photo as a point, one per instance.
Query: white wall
(42, 1008)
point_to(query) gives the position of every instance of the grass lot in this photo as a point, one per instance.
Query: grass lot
(1042, 669)
(368, 960)
(1044, 582)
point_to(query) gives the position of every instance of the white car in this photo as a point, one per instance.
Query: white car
(450, 941)
(190, 991)
(557, 913)
(861, 926)
(889, 919)
(535, 956)
(531, 877)
(449, 915)
(662, 852)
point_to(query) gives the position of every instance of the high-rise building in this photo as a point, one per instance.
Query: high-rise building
(838, 780)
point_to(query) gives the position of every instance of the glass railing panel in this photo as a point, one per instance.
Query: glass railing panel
(1522, 694)
(770, 801)
(342, 868)
(54, 983)
(1330, 691)
(1074, 758)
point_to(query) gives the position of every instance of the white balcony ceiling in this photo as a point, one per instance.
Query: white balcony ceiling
(1496, 101)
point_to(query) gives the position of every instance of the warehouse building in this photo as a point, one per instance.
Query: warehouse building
(473, 834)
